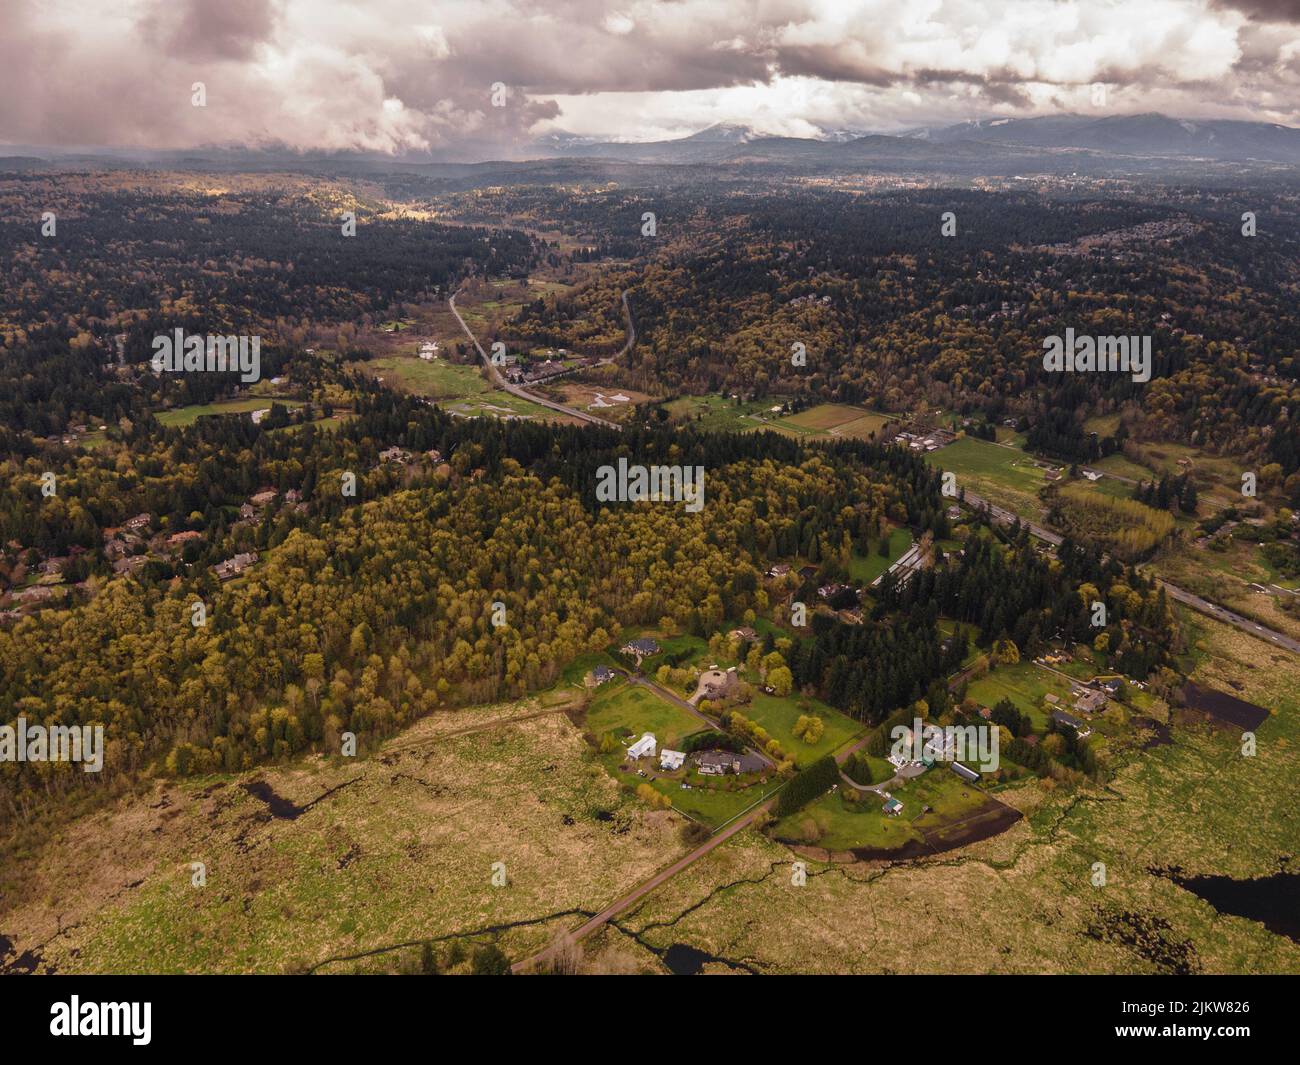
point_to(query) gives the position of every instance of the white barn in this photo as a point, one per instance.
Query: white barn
(644, 747)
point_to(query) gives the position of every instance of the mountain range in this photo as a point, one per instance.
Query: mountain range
(1111, 138)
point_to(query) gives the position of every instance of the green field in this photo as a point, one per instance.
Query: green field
(863, 569)
(627, 711)
(461, 389)
(778, 715)
(718, 412)
(1024, 684)
(832, 419)
(189, 415)
(437, 379)
(1003, 475)
(840, 823)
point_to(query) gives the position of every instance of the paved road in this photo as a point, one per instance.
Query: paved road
(1253, 628)
(1204, 606)
(1007, 517)
(515, 390)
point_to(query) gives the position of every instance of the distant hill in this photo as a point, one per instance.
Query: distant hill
(1138, 135)
(988, 141)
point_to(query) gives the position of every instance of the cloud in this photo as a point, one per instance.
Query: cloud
(201, 30)
(1264, 10)
(405, 76)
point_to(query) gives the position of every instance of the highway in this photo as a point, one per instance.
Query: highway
(1204, 606)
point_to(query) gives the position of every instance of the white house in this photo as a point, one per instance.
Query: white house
(643, 748)
(670, 761)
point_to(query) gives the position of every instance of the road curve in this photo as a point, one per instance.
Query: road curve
(1204, 606)
(515, 390)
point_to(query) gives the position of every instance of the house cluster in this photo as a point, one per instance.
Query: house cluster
(127, 546)
(830, 591)
(555, 364)
(645, 747)
(1090, 698)
(714, 763)
(254, 510)
(74, 433)
(932, 440)
(429, 350)
(235, 566)
(46, 588)
(401, 457)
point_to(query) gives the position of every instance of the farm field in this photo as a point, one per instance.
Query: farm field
(832, 419)
(437, 379)
(719, 413)
(1005, 476)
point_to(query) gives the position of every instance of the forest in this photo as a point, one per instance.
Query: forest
(892, 313)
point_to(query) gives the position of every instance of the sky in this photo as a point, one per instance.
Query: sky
(407, 77)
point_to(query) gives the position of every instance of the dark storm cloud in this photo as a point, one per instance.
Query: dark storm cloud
(1264, 10)
(200, 29)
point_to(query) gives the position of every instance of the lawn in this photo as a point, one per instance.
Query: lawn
(839, 823)
(189, 415)
(1024, 684)
(778, 715)
(576, 671)
(863, 569)
(687, 650)
(627, 711)
(718, 412)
